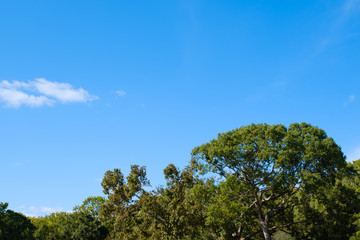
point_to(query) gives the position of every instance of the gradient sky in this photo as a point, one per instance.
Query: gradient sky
(89, 86)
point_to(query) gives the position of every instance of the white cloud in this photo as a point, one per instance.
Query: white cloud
(63, 92)
(121, 93)
(40, 92)
(39, 211)
(15, 98)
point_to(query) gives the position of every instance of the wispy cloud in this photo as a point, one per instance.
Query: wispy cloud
(39, 211)
(351, 7)
(350, 99)
(98, 179)
(40, 92)
(345, 13)
(121, 93)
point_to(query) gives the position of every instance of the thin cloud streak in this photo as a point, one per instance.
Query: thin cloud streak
(350, 7)
(344, 14)
(39, 211)
(121, 93)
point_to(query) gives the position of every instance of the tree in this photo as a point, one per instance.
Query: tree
(274, 166)
(14, 225)
(329, 215)
(172, 213)
(91, 206)
(169, 213)
(353, 181)
(53, 226)
(224, 205)
(121, 209)
(62, 225)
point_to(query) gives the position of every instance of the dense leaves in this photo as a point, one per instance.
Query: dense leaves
(76, 226)
(13, 225)
(273, 166)
(91, 206)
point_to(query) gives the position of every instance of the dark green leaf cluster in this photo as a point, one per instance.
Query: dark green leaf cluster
(14, 226)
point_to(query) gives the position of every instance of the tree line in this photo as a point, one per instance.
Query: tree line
(255, 182)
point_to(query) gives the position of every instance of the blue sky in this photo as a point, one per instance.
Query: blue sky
(89, 86)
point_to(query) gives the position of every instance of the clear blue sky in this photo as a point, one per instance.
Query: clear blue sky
(88, 86)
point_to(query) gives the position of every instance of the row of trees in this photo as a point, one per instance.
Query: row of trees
(80, 224)
(255, 182)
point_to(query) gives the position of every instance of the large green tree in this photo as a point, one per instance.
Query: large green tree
(276, 169)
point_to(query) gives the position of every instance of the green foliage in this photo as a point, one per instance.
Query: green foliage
(173, 213)
(164, 213)
(121, 210)
(91, 206)
(255, 182)
(353, 181)
(54, 226)
(329, 215)
(224, 207)
(291, 183)
(273, 165)
(78, 225)
(13, 225)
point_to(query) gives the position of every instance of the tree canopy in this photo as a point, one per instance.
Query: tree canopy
(255, 182)
(276, 169)
(13, 225)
